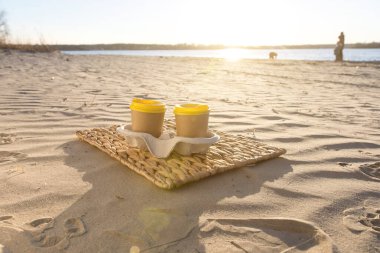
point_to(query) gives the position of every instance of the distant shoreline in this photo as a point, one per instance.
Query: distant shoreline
(321, 54)
(197, 47)
(166, 47)
(121, 46)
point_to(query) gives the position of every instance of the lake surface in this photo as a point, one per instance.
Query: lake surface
(235, 54)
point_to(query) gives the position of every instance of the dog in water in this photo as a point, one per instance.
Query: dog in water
(272, 55)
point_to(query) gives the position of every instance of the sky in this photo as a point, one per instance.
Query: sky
(228, 22)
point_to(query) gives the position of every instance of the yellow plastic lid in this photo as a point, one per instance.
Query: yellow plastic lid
(191, 109)
(148, 106)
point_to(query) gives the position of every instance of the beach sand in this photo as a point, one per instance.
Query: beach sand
(58, 193)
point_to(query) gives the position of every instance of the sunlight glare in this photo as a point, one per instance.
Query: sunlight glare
(232, 54)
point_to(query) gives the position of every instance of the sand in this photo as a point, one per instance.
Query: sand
(58, 193)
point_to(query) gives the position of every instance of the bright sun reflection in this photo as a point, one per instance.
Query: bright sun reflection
(232, 54)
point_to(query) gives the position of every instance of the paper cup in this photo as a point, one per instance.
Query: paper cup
(147, 116)
(192, 120)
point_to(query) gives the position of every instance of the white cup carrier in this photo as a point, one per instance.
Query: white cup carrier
(162, 147)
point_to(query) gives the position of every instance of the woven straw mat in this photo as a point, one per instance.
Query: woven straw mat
(230, 152)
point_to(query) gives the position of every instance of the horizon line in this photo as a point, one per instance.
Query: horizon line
(203, 46)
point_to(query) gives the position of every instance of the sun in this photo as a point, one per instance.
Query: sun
(232, 54)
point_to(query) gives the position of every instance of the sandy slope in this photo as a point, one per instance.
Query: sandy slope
(59, 193)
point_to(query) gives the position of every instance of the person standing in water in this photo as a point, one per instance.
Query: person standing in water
(338, 51)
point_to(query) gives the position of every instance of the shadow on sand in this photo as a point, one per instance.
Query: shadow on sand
(123, 209)
(124, 212)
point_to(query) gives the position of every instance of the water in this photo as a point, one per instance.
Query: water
(235, 53)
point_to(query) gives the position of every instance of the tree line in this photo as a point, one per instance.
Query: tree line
(4, 34)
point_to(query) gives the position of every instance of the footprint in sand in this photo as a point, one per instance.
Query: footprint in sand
(40, 235)
(7, 157)
(371, 170)
(43, 223)
(7, 138)
(364, 218)
(37, 230)
(74, 227)
(45, 234)
(254, 235)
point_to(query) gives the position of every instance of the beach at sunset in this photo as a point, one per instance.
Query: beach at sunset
(324, 114)
(170, 126)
